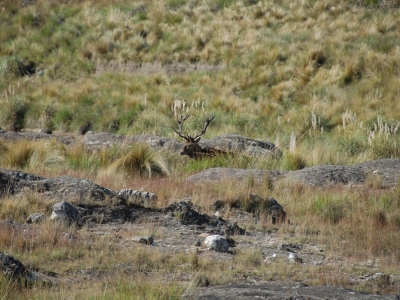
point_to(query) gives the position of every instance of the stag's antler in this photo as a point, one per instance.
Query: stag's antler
(180, 121)
(207, 122)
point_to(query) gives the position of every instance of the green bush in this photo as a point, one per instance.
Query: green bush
(63, 118)
(13, 112)
(352, 145)
(292, 162)
(329, 208)
(386, 147)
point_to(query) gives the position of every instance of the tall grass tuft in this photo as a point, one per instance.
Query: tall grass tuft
(140, 161)
(32, 155)
(13, 111)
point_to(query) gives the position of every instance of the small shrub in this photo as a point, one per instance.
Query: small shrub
(386, 147)
(31, 155)
(13, 111)
(380, 219)
(63, 118)
(293, 162)
(80, 158)
(329, 208)
(352, 145)
(19, 156)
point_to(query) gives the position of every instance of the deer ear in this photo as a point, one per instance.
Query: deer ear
(198, 139)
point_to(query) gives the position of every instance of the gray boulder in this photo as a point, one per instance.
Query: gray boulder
(64, 187)
(240, 144)
(275, 211)
(386, 169)
(217, 174)
(217, 243)
(36, 218)
(136, 197)
(13, 270)
(328, 175)
(65, 213)
(255, 204)
(12, 136)
(104, 139)
(147, 240)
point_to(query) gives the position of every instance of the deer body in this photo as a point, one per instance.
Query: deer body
(194, 150)
(192, 147)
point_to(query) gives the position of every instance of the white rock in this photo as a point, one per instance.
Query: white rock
(270, 259)
(294, 258)
(217, 243)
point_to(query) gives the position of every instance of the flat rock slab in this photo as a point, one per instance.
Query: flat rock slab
(236, 143)
(63, 187)
(328, 175)
(104, 139)
(280, 291)
(33, 136)
(386, 170)
(215, 174)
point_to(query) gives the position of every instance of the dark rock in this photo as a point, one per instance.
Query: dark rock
(85, 128)
(185, 211)
(275, 210)
(147, 240)
(252, 204)
(46, 131)
(219, 204)
(14, 270)
(255, 204)
(26, 69)
(289, 247)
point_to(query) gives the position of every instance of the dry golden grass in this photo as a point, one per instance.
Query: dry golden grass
(319, 78)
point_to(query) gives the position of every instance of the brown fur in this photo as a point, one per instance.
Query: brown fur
(194, 150)
(192, 147)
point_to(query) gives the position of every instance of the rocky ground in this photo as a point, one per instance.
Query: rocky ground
(111, 213)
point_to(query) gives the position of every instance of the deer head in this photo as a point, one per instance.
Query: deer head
(191, 147)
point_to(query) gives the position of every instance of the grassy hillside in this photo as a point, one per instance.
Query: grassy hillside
(319, 75)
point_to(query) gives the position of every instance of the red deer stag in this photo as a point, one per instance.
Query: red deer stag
(191, 147)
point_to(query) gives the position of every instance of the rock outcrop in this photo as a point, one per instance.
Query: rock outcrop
(217, 174)
(104, 139)
(65, 213)
(185, 211)
(280, 290)
(63, 187)
(239, 144)
(15, 271)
